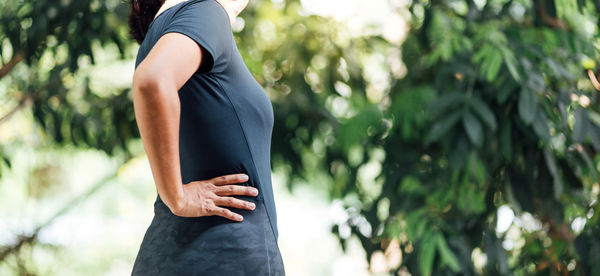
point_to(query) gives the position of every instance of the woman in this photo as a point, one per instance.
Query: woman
(206, 126)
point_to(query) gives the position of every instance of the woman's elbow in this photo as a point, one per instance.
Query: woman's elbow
(147, 83)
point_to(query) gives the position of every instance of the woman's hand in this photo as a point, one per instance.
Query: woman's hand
(202, 198)
(156, 82)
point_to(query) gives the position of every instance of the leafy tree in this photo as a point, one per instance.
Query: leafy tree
(46, 45)
(498, 106)
(46, 51)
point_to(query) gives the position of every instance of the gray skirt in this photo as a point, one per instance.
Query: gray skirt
(209, 245)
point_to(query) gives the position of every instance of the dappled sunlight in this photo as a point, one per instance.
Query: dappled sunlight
(410, 137)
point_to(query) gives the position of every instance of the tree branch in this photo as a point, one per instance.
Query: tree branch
(551, 21)
(593, 79)
(21, 104)
(27, 100)
(6, 68)
(30, 239)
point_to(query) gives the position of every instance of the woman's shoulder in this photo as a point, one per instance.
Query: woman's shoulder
(205, 21)
(204, 10)
(190, 10)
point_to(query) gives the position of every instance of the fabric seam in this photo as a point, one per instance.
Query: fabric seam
(260, 196)
(165, 30)
(265, 232)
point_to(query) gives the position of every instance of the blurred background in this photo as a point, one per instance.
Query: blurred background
(411, 137)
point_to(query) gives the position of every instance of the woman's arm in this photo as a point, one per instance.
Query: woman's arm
(156, 82)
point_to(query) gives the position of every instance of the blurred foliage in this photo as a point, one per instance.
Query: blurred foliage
(498, 106)
(45, 47)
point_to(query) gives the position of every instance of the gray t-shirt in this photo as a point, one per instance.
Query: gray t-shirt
(226, 118)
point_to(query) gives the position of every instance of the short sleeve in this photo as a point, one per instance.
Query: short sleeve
(207, 23)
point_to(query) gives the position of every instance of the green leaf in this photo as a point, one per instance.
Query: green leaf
(580, 128)
(442, 126)
(511, 63)
(527, 105)
(411, 185)
(354, 130)
(447, 256)
(473, 128)
(506, 90)
(493, 65)
(477, 168)
(580, 5)
(445, 102)
(595, 136)
(482, 53)
(506, 140)
(553, 168)
(554, 66)
(7, 161)
(550, 37)
(467, 44)
(540, 126)
(446, 50)
(416, 226)
(426, 254)
(594, 117)
(536, 82)
(484, 112)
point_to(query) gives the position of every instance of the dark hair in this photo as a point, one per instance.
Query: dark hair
(142, 14)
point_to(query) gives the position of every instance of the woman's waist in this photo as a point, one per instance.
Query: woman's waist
(163, 213)
(206, 169)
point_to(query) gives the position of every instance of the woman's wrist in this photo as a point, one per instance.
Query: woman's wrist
(174, 198)
(176, 207)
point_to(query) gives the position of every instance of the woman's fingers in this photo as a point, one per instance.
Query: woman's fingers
(226, 213)
(230, 179)
(235, 190)
(234, 202)
(216, 191)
